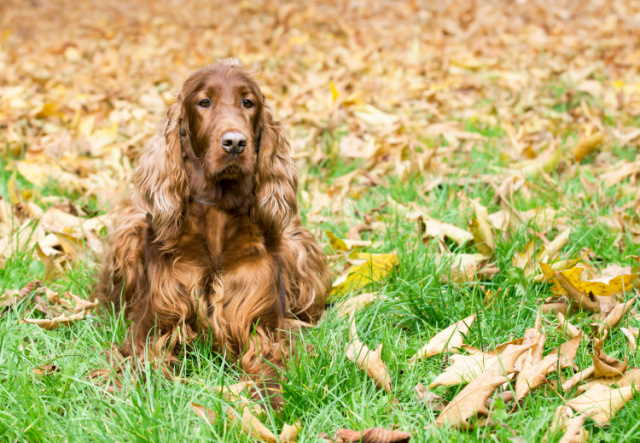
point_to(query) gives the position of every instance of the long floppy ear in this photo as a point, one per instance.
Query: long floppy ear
(276, 179)
(161, 177)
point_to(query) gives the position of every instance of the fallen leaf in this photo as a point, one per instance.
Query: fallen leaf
(551, 249)
(575, 432)
(13, 297)
(203, 412)
(570, 329)
(481, 229)
(465, 267)
(370, 362)
(375, 267)
(545, 162)
(577, 378)
(289, 433)
(255, 428)
(340, 244)
(353, 304)
(601, 402)
(535, 374)
(618, 311)
(587, 145)
(524, 259)
(606, 366)
(448, 339)
(465, 368)
(432, 228)
(470, 401)
(631, 334)
(53, 323)
(630, 378)
(372, 435)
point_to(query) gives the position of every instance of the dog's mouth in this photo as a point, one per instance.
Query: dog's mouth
(229, 173)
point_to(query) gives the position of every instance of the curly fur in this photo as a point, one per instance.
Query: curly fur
(192, 254)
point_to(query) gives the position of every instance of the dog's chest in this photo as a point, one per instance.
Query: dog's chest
(216, 238)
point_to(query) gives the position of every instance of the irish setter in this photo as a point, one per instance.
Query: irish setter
(210, 238)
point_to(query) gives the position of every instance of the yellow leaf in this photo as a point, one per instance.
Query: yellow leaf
(613, 280)
(375, 267)
(481, 229)
(340, 244)
(335, 94)
(586, 145)
(12, 191)
(49, 110)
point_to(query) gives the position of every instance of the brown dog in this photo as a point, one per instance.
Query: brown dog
(210, 239)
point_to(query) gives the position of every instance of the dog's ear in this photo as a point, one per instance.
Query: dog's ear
(276, 182)
(161, 176)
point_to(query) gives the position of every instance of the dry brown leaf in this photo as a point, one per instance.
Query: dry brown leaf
(605, 365)
(577, 378)
(53, 323)
(601, 402)
(372, 435)
(570, 329)
(557, 307)
(353, 304)
(432, 228)
(289, 433)
(535, 374)
(630, 378)
(448, 339)
(466, 267)
(470, 401)
(370, 362)
(551, 249)
(618, 311)
(467, 367)
(631, 334)
(255, 428)
(13, 297)
(535, 338)
(203, 412)
(575, 432)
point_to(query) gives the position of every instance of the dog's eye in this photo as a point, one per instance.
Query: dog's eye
(204, 103)
(247, 103)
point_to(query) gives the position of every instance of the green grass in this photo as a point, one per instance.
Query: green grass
(322, 389)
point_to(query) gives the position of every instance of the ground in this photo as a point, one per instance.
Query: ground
(400, 113)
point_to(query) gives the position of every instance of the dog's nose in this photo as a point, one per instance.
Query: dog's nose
(234, 142)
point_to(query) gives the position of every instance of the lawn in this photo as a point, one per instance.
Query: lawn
(517, 123)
